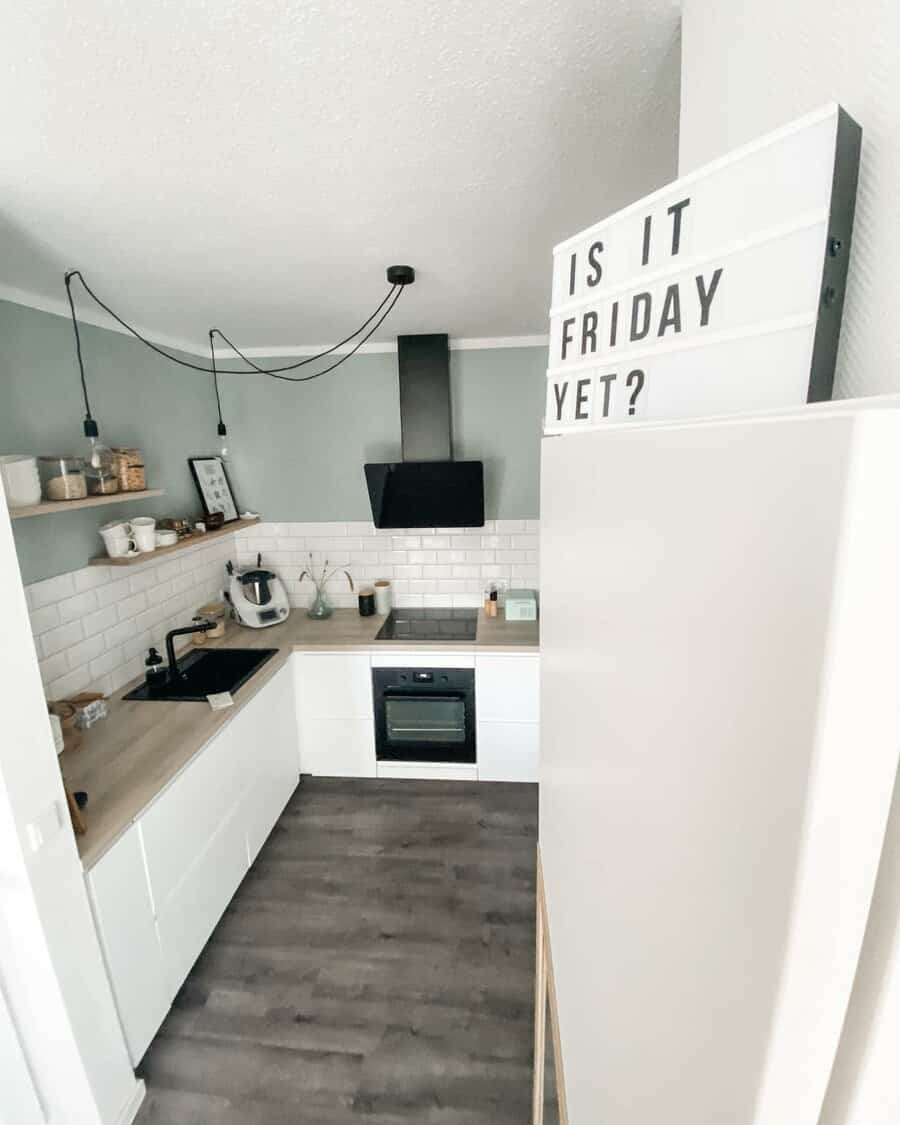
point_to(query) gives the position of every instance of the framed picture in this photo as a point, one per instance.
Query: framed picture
(214, 486)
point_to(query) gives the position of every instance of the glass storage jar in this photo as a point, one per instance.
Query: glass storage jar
(130, 469)
(62, 478)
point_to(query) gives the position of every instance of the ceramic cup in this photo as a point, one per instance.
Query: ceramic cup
(144, 530)
(383, 597)
(118, 540)
(166, 538)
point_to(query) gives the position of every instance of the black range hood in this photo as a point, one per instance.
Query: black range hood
(427, 488)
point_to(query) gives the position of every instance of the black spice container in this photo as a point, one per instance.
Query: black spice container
(366, 602)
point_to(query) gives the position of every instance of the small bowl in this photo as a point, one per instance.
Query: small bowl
(214, 521)
(166, 538)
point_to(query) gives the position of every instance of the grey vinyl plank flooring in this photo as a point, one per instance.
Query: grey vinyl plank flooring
(375, 966)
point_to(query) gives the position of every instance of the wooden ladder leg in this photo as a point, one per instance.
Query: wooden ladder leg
(540, 1006)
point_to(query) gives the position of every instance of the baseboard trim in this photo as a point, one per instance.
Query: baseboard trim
(130, 1109)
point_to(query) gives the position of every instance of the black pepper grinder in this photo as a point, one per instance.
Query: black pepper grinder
(154, 668)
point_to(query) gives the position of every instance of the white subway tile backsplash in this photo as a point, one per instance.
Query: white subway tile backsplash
(70, 684)
(93, 626)
(120, 633)
(50, 590)
(85, 651)
(44, 619)
(90, 577)
(99, 621)
(131, 607)
(62, 637)
(54, 667)
(114, 592)
(71, 609)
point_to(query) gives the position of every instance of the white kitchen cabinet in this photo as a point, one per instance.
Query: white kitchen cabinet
(267, 734)
(123, 910)
(507, 709)
(508, 751)
(335, 685)
(338, 747)
(507, 688)
(337, 733)
(190, 913)
(180, 823)
(160, 890)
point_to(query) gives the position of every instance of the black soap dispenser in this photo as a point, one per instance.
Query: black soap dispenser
(154, 669)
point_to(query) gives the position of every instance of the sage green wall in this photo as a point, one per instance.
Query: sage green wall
(137, 398)
(297, 451)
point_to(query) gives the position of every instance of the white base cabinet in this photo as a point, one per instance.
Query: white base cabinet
(126, 922)
(508, 751)
(337, 727)
(334, 713)
(160, 890)
(507, 703)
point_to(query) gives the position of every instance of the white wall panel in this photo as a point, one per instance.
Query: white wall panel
(749, 68)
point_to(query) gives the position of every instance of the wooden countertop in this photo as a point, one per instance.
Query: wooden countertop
(127, 760)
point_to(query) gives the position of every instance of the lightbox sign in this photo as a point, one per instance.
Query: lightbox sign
(721, 292)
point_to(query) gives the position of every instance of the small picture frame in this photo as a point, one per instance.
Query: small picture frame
(214, 487)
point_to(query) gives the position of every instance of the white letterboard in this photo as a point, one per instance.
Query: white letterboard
(720, 292)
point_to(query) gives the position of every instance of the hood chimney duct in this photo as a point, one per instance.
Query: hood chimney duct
(425, 421)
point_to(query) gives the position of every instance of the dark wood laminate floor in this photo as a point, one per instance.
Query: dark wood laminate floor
(376, 966)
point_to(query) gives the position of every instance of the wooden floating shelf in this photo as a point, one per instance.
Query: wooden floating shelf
(56, 507)
(182, 545)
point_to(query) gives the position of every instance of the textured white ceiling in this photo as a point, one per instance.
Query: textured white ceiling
(257, 163)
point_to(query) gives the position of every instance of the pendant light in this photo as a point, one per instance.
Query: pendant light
(221, 428)
(99, 466)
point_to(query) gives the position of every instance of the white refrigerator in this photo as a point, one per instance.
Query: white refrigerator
(720, 707)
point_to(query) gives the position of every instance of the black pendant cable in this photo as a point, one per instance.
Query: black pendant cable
(90, 424)
(398, 278)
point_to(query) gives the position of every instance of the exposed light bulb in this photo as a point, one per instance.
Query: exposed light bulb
(222, 431)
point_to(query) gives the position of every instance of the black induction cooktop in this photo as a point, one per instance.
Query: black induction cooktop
(441, 624)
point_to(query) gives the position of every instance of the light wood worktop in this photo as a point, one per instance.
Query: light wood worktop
(129, 758)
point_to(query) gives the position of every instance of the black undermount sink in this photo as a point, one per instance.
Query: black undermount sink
(203, 673)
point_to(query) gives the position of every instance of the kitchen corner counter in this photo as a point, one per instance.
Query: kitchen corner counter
(128, 759)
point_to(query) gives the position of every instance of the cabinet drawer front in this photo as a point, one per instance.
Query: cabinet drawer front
(120, 899)
(507, 688)
(179, 825)
(190, 915)
(335, 685)
(508, 751)
(338, 747)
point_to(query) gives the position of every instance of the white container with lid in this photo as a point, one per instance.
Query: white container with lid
(21, 480)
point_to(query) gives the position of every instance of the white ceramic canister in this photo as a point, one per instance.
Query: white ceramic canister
(383, 598)
(21, 480)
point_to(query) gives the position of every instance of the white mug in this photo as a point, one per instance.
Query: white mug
(383, 597)
(144, 531)
(118, 540)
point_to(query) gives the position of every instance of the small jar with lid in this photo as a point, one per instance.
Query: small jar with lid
(62, 478)
(130, 470)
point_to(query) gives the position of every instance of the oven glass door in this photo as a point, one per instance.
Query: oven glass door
(435, 720)
(424, 715)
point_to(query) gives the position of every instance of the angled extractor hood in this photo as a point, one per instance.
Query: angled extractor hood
(427, 488)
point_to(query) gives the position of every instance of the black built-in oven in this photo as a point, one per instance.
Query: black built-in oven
(424, 714)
